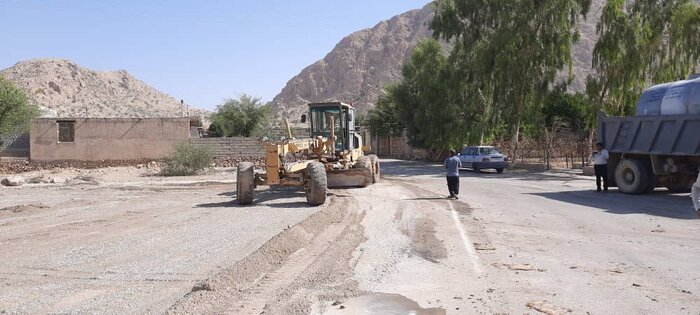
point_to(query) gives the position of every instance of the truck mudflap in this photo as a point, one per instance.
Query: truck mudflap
(356, 177)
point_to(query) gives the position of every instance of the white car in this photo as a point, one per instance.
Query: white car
(483, 157)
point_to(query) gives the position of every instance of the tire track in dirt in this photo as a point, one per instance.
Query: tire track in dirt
(477, 231)
(300, 266)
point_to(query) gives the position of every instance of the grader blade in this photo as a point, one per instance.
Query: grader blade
(349, 178)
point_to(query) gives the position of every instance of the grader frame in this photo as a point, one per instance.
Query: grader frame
(333, 157)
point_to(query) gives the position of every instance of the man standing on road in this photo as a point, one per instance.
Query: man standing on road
(600, 161)
(696, 196)
(453, 164)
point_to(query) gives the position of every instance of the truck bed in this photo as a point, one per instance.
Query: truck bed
(655, 135)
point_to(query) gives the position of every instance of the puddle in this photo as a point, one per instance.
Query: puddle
(383, 304)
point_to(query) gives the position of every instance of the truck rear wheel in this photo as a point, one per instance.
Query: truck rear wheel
(245, 183)
(377, 170)
(633, 177)
(317, 184)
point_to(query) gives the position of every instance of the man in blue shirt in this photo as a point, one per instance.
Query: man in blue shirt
(453, 164)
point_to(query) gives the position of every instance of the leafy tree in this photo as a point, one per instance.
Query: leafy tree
(15, 109)
(573, 110)
(642, 43)
(242, 117)
(384, 119)
(432, 113)
(508, 53)
(215, 130)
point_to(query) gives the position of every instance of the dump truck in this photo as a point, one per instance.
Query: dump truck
(660, 146)
(333, 156)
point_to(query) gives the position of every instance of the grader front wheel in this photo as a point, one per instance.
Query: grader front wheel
(317, 184)
(376, 168)
(365, 163)
(245, 183)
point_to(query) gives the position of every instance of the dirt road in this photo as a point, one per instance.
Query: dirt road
(514, 243)
(121, 241)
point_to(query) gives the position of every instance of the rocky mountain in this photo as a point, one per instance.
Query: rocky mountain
(68, 90)
(360, 65)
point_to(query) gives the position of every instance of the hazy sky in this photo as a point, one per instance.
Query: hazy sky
(199, 51)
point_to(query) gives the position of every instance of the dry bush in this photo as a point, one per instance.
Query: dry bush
(187, 160)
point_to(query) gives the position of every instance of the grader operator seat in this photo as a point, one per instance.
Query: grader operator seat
(344, 117)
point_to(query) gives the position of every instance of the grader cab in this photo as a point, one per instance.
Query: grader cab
(333, 157)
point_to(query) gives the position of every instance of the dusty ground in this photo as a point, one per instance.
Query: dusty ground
(123, 241)
(120, 241)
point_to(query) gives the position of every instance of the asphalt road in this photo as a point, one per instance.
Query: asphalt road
(547, 240)
(514, 243)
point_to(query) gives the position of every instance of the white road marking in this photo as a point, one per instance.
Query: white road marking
(465, 239)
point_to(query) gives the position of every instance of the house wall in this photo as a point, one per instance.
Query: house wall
(108, 138)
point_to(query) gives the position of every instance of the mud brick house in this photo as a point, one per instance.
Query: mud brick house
(95, 139)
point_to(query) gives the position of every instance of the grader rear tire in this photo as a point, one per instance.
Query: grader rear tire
(245, 183)
(317, 184)
(377, 169)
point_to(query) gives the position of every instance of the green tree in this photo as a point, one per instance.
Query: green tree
(573, 110)
(215, 130)
(242, 117)
(431, 111)
(15, 108)
(384, 119)
(642, 43)
(508, 53)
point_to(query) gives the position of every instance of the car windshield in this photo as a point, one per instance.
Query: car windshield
(489, 151)
(469, 151)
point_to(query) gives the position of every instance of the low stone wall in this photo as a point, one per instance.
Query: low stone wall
(237, 147)
(28, 166)
(397, 147)
(14, 145)
(228, 153)
(15, 167)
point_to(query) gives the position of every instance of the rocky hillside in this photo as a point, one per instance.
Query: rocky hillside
(69, 90)
(362, 63)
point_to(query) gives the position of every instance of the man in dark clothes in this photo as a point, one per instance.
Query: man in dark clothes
(453, 164)
(600, 161)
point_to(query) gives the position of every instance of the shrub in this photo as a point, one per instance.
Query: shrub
(187, 160)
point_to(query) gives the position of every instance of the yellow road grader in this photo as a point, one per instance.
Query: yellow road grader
(333, 157)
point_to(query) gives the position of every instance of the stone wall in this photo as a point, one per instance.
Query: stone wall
(397, 147)
(232, 147)
(231, 151)
(14, 145)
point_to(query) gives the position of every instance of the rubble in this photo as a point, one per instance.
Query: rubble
(12, 181)
(24, 166)
(548, 308)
